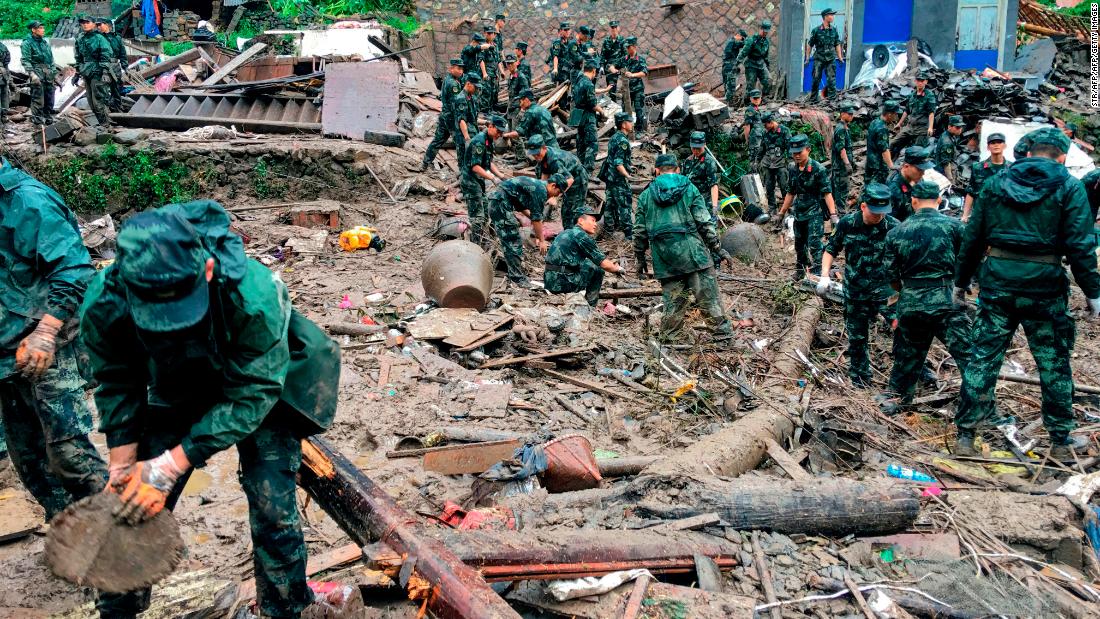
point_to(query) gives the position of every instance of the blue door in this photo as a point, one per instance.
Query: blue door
(840, 22)
(887, 21)
(979, 34)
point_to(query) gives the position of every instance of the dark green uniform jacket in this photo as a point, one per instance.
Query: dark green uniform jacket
(901, 196)
(824, 41)
(618, 154)
(466, 108)
(612, 51)
(921, 105)
(1091, 181)
(227, 373)
(636, 64)
(448, 94)
(809, 186)
(536, 120)
(730, 53)
(516, 84)
(921, 256)
(479, 152)
(471, 58)
(865, 279)
(45, 265)
(946, 148)
(775, 147)
(842, 140)
(93, 54)
(878, 142)
(1034, 210)
(525, 69)
(755, 52)
(564, 50)
(980, 172)
(118, 48)
(584, 102)
(524, 193)
(674, 223)
(567, 255)
(703, 173)
(558, 160)
(37, 55)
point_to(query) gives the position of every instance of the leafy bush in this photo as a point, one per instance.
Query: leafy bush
(16, 14)
(113, 182)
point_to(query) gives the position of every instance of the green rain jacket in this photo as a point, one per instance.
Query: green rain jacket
(673, 221)
(44, 267)
(1035, 210)
(223, 377)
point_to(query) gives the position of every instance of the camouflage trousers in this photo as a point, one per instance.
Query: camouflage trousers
(758, 74)
(841, 187)
(1050, 336)
(641, 118)
(587, 278)
(443, 130)
(913, 337)
(489, 93)
(42, 99)
(618, 209)
(703, 285)
(756, 139)
(114, 89)
(730, 74)
(858, 316)
(773, 177)
(915, 131)
(807, 244)
(473, 193)
(269, 461)
(875, 175)
(460, 146)
(572, 203)
(47, 425)
(506, 227)
(99, 96)
(587, 144)
(829, 70)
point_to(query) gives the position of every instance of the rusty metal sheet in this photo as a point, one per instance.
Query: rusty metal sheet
(662, 78)
(472, 458)
(361, 97)
(257, 113)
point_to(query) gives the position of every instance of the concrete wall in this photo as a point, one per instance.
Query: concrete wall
(692, 36)
(936, 22)
(789, 60)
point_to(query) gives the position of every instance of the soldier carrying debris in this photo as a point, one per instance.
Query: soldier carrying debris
(38, 64)
(535, 120)
(465, 115)
(574, 262)
(183, 306)
(754, 55)
(673, 222)
(730, 69)
(526, 195)
(560, 56)
(478, 167)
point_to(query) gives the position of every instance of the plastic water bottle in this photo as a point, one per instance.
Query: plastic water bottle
(904, 472)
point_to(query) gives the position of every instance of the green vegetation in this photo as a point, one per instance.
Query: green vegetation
(394, 13)
(174, 48)
(1081, 10)
(16, 14)
(117, 181)
(269, 182)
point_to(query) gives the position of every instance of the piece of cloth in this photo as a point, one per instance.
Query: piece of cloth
(47, 423)
(859, 315)
(878, 142)
(150, 12)
(676, 293)
(865, 251)
(674, 223)
(573, 265)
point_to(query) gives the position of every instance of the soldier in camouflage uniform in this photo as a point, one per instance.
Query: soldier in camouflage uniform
(583, 116)
(901, 181)
(5, 86)
(841, 164)
(521, 55)
(635, 68)
(612, 53)
(918, 122)
(810, 191)
(921, 257)
(616, 174)
(471, 54)
(879, 158)
(673, 222)
(947, 147)
(528, 196)
(862, 236)
(498, 23)
(183, 306)
(981, 171)
(574, 262)
(1024, 221)
(94, 59)
(535, 120)
(754, 55)
(702, 170)
(46, 270)
(478, 167)
(730, 69)
(39, 67)
(550, 161)
(465, 108)
(772, 158)
(118, 67)
(517, 85)
(753, 128)
(824, 41)
(445, 126)
(585, 52)
(490, 72)
(560, 56)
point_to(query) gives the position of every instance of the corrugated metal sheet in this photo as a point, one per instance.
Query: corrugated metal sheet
(361, 97)
(260, 114)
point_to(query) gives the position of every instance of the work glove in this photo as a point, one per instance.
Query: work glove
(1094, 308)
(823, 285)
(834, 219)
(642, 268)
(726, 259)
(36, 352)
(958, 297)
(35, 79)
(120, 465)
(148, 486)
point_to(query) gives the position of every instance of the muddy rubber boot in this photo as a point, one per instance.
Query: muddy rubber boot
(964, 445)
(1063, 449)
(888, 404)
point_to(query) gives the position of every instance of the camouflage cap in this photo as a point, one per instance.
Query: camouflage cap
(919, 157)
(755, 93)
(766, 24)
(564, 26)
(561, 179)
(891, 106)
(84, 19)
(162, 263)
(34, 24)
(510, 58)
(798, 143)
(995, 137)
(877, 197)
(741, 31)
(500, 17)
(1022, 147)
(480, 38)
(666, 160)
(535, 143)
(923, 75)
(614, 23)
(102, 21)
(521, 45)
(926, 190)
(527, 93)
(490, 29)
(956, 121)
(586, 31)
(848, 106)
(587, 211)
(828, 12)
(472, 78)
(498, 121)
(457, 62)
(1049, 136)
(622, 117)
(591, 65)
(698, 139)
(769, 117)
(630, 41)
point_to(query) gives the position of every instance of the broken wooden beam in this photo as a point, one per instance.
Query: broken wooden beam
(591, 386)
(190, 55)
(785, 461)
(761, 563)
(1032, 380)
(351, 328)
(626, 293)
(238, 61)
(495, 363)
(366, 513)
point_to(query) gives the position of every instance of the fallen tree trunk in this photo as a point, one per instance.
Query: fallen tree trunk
(366, 513)
(742, 446)
(834, 507)
(621, 467)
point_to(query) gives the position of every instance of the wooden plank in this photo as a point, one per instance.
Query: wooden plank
(593, 387)
(637, 596)
(707, 573)
(476, 334)
(171, 63)
(488, 339)
(692, 523)
(785, 461)
(495, 363)
(626, 293)
(231, 66)
(18, 516)
(858, 597)
(474, 458)
(764, 573)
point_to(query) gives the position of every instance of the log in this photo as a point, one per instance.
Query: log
(591, 386)
(742, 446)
(1032, 380)
(627, 293)
(365, 512)
(833, 507)
(621, 467)
(349, 328)
(171, 63)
